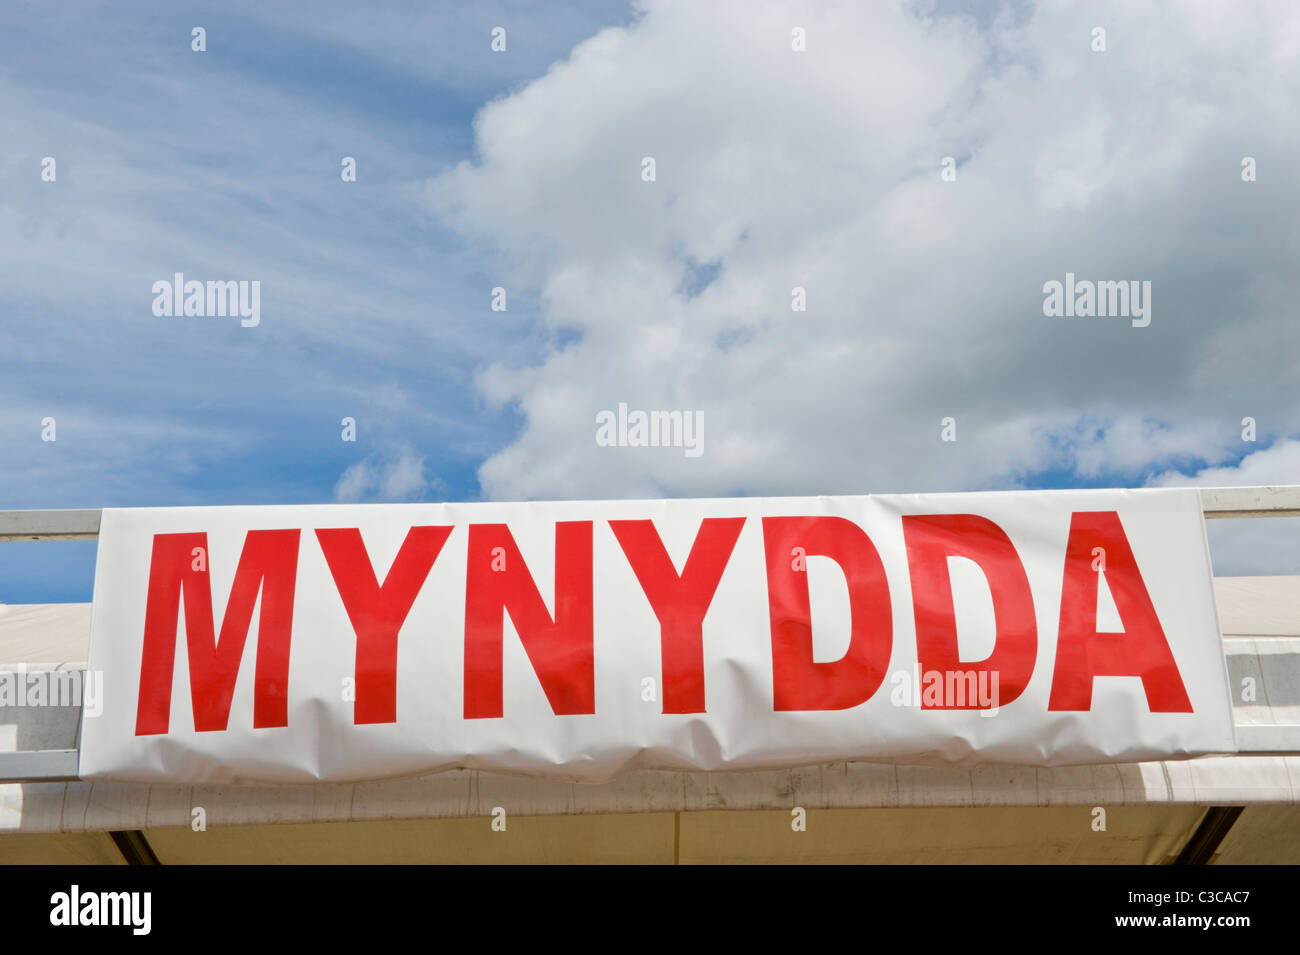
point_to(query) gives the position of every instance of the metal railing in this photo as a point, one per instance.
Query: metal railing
(83, 525)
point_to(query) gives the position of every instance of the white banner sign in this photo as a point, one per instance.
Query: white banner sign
(579, 639)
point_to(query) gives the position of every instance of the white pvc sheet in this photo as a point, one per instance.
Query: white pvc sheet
(291, 644)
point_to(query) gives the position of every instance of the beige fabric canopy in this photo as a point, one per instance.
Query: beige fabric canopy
(852, 812)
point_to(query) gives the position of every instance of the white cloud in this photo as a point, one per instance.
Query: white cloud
(821, 170)
(389, 477)
(1277, 464)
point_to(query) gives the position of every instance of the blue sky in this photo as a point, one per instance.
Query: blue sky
(519, 169)
(169, 159)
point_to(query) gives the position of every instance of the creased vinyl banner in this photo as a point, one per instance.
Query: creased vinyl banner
(579, 639)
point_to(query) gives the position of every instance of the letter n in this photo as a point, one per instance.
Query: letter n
(561, 649)
(269, 564)
(1082, 652)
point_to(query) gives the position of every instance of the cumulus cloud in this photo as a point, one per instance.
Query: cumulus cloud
(1277, 464)
(778, 169)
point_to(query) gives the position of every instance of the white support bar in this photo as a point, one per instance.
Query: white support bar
(1269, 738)
(1281, 501)
(49, 525)
(39, 766)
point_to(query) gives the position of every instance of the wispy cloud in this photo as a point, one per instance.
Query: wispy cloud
(389, 478)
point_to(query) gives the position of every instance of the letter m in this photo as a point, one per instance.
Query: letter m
(1116, 298)
(223, 299)
(269, 565)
